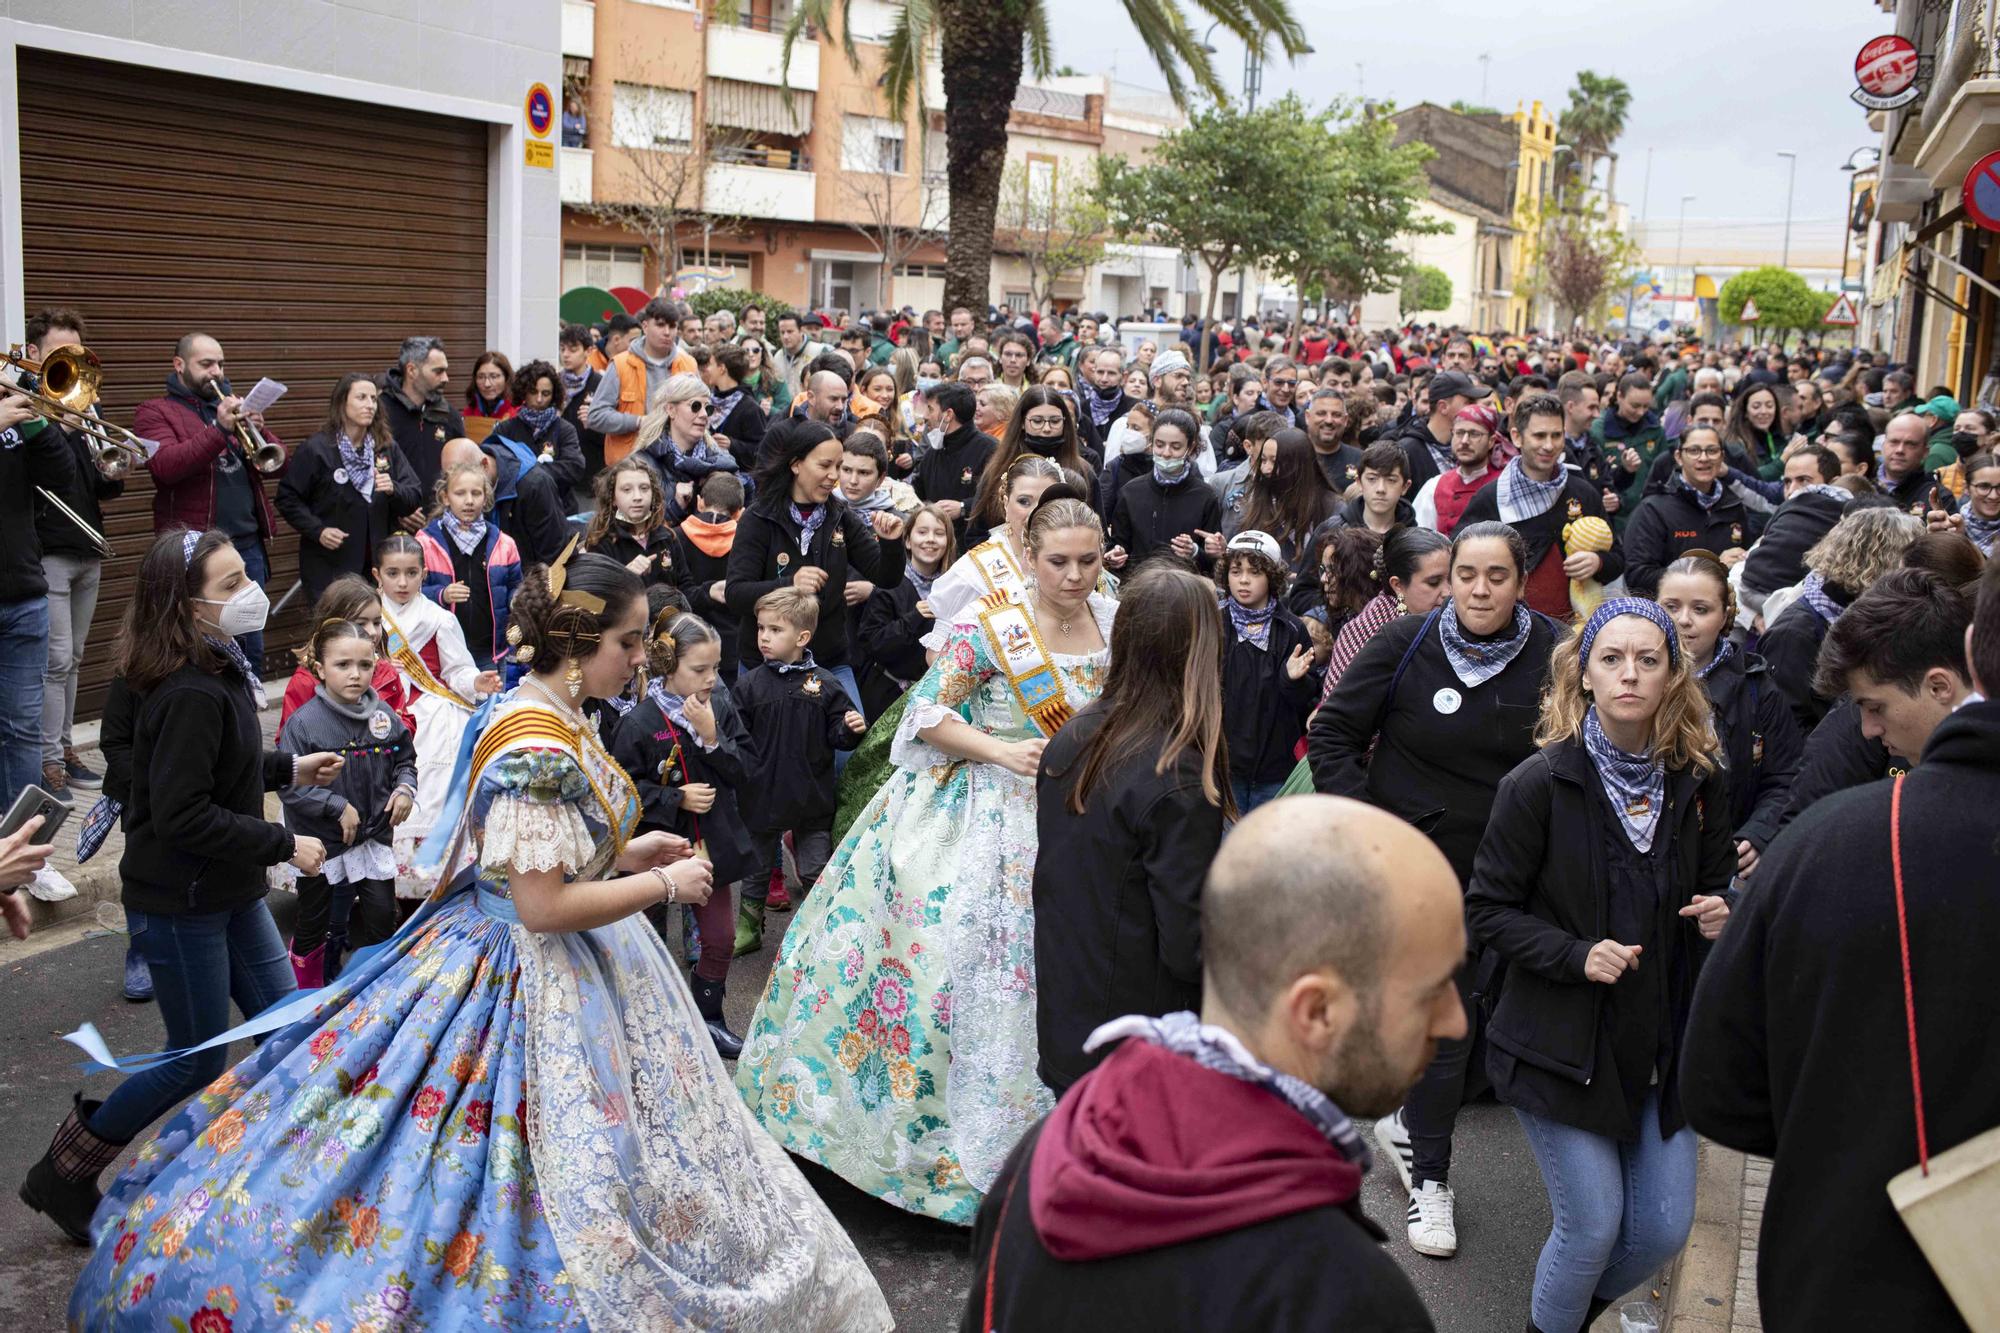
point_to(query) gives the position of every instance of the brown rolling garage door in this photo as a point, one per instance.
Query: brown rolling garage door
(308, 234)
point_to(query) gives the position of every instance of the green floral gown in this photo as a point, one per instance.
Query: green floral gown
(895, 1043)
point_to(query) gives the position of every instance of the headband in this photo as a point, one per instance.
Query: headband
(1631, 606)
(189, 540)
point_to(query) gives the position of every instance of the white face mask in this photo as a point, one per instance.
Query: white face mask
(244, 612)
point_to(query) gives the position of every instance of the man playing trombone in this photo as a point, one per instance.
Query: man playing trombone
(206, 473)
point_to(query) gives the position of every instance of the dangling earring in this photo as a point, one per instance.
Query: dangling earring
(573, 677)
(1402, 607)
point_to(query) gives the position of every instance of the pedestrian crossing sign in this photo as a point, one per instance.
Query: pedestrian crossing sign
(1749, 315)
(1842, 313)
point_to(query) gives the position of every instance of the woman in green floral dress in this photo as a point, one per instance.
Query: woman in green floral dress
(895, 1043)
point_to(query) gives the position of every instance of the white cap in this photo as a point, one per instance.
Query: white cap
(1263, 543)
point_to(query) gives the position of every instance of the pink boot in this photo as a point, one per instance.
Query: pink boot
(310, 968)
(776, 898)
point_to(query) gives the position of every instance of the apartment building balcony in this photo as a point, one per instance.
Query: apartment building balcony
(747, 43)
(576, 175)
(761, 181)
(579, 28)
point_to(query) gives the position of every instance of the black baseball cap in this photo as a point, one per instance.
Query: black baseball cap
(1453, 384)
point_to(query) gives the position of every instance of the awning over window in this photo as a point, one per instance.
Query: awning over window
(733, 104)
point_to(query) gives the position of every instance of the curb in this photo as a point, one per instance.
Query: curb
(1702, 1284)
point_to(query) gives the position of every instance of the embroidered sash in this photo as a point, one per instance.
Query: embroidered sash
(1018, 647)
(414, 666)
(996, 566)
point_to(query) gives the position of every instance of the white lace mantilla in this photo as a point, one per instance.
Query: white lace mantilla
(530, 835)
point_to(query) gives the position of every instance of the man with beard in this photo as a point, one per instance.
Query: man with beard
(419, 417)
(1326, 427)
(1427, 439)
(1206, 1174)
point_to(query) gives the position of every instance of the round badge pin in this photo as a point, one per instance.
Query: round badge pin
(1447, 700)
(340, 476)
(378, 725)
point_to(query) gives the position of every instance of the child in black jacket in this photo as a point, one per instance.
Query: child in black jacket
(1269, 685)
(685, 746)
(375, 791)
(629, 524)
(706, 538)
(798, 716)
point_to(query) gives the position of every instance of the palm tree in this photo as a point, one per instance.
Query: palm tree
(1593, 121)
(982, 48)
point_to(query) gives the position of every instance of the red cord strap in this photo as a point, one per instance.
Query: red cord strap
(1909, 990)
(1000, 1226)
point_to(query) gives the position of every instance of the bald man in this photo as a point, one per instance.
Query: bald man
(527, 502)
(1206, 1175)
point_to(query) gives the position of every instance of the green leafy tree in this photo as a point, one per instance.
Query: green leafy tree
(1233, 189)
(1784, 303)
(982, 48)
(1369, 194)
(734, 299)
(1425, 287)
(1595, 117)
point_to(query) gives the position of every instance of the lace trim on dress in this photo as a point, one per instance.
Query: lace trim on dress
(529, 836)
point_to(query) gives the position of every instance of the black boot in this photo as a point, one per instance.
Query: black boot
(64, 1183)
(708, 999)
(1598, 1305)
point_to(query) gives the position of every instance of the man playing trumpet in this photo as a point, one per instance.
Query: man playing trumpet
(201, 474)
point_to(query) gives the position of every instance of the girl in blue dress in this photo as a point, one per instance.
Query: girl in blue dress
(511, 1116)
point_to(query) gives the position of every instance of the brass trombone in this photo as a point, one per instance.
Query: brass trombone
(62, 388)
(263, 455)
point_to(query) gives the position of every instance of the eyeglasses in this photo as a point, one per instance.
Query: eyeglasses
(1986, 488)
(1284, 384)
(1701, 451)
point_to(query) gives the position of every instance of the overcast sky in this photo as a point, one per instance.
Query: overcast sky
(1717, 87)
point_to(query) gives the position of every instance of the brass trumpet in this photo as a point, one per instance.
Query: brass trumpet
(62, 388)
(263, 455)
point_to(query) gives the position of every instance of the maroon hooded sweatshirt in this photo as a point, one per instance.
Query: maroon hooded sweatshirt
(1163, 1195)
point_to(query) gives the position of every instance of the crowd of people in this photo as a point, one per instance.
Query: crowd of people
(1160, 765)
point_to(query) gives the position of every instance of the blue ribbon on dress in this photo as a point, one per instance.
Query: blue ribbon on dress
(296, 1007)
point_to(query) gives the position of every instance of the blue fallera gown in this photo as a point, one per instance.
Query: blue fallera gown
(481, 1126)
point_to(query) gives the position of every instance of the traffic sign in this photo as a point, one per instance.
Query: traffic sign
(1981, 193)
(1749, 315)
(540, 108)
(1842, 314)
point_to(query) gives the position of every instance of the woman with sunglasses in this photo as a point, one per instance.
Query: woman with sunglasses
(674, 437)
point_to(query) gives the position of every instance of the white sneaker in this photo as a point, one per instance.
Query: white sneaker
(1432, 1230)
(1395, 1141)
(50, 886)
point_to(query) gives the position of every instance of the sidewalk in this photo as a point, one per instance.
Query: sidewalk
(1712, 1287)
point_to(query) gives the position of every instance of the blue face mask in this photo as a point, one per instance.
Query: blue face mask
(925, 384)
(1167, 471)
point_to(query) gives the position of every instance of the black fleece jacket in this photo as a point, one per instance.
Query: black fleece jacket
(196, 839)
(796, 721)
(1669, 525)
(31, 454)
(663, 758)
(1148, 516)
(765, 555)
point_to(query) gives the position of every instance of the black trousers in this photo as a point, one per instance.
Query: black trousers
(344, 917)
(1430, 1111)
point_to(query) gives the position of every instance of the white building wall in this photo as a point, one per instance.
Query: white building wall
(472, 59)
(1456, 252)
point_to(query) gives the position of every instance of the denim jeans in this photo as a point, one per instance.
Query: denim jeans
(73, 581)
(1250, 795)
(24, 656)
(1621, 1210)
(256, 565)
(200, 962)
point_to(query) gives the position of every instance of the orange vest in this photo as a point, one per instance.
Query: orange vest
(631, 372)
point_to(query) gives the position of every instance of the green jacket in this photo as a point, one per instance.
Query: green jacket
(1612, 435)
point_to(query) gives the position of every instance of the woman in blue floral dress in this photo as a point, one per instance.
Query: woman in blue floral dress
(509, 1117)
(895, 1044)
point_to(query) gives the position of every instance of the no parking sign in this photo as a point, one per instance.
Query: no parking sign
(1982, 192)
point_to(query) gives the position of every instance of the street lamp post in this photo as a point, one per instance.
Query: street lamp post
(1680, 238)
(1853, 170)
(1791, 175)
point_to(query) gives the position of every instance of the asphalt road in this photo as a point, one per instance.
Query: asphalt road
(923, 1266)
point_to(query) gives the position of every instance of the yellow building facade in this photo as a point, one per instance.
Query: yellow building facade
(1535, 163)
